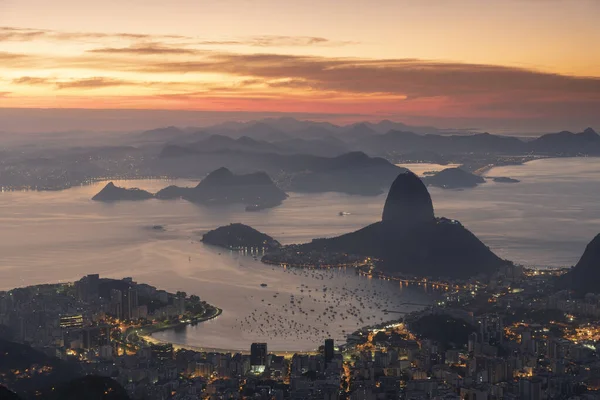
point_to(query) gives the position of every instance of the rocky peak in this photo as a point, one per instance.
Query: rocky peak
(408, 202)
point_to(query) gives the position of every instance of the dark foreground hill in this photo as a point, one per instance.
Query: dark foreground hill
(410, 239)
(585, 276)
(42, 370)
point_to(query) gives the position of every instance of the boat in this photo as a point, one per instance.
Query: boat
(342, 213)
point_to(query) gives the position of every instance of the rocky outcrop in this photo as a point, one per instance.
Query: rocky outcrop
(408, 202)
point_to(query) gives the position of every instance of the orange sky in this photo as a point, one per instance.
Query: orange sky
(416, 60)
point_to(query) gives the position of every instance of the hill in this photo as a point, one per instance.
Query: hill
(453, 178)
(236, 236)
(584, 277)
(223, 187)
(110, 192)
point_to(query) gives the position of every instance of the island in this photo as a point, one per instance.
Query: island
(110, 193)
(504, 179)
(256, 190)
(239, 236)
(409, 239)
(453, 178)
(221, 187)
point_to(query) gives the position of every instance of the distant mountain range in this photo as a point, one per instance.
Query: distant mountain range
(288, 135)
(353, 173)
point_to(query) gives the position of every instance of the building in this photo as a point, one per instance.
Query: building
(258, 357)
(329, 351)
(71, 321)
(162, 351)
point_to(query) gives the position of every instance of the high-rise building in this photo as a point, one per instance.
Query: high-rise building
(329, 351)
(130, 303)
(162, 351)
(258, 354)
(180, 303)
(71, 321)
(116, 303)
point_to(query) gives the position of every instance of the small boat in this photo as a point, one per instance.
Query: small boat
(342, 213)
(263, 284)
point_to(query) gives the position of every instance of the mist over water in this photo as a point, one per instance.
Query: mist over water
(546, 220)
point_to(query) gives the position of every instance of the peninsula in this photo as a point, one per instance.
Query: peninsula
(409, 239)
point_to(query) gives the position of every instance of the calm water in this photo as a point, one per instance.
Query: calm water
(546, 220)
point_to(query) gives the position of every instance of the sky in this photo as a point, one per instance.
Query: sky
(505, 65)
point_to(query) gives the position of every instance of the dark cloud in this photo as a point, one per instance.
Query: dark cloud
(411, 78)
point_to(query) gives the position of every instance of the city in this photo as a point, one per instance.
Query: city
(513, 336)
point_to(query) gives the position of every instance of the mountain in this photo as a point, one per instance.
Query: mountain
(325, 146)
(110, 192)
(20, 357)
(352, 173)
(453, 178)
(163, 134)
(90, 388)
(410, 239)
(584, 277)
(223, 187)
(357, 132)
(408, 202)
(237, 236)
(402, 142)
(568, 143)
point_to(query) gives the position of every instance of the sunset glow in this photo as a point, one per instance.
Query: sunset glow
(410, 60)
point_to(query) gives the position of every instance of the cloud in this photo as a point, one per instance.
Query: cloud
(146, 49)
(93, 83)
(86, 83)
(408, 77)
(393, 85)
(12, 34)
(31, 80)
(278, 41)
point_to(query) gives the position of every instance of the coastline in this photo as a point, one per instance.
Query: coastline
(147, 331)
